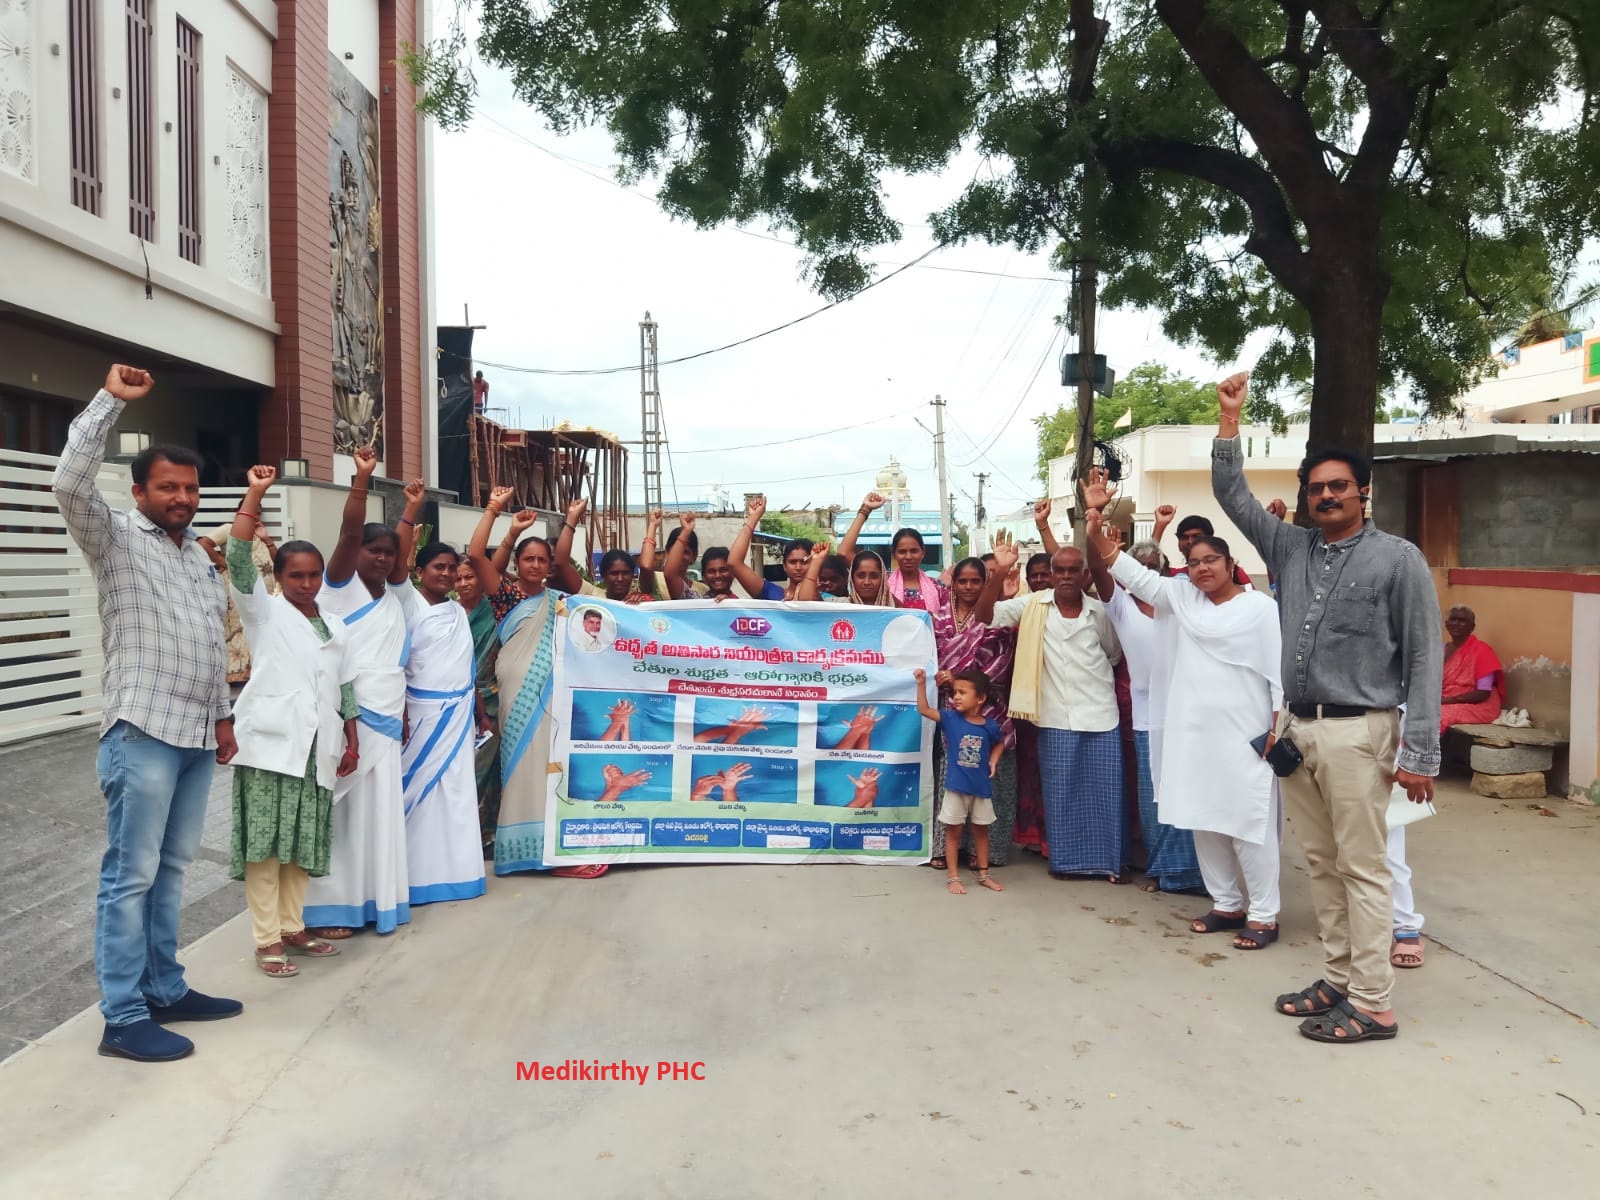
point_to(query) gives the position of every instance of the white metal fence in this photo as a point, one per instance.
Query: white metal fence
(50, 655)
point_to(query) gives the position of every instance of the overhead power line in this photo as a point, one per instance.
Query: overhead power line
(744, 341)
(804, 437)
(597, 172)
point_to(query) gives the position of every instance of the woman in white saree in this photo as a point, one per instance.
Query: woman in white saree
(444, 848)
(367, 881)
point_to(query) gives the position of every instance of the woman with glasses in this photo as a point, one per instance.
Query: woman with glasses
(1214, 689)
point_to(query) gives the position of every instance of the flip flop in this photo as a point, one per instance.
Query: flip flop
(289, 969)
(587, 871)
(312, 947)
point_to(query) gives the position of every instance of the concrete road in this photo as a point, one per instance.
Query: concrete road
(863, 1034)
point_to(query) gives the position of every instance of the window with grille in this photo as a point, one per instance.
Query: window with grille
(141, 122)
(188, 141)
(83, 103)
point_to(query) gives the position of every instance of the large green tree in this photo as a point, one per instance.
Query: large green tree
(1373, 181)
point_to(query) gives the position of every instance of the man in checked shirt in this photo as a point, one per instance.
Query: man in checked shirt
(167, 718)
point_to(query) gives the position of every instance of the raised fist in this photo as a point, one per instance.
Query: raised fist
(1231, 393)
(129, 383)
(261, 476)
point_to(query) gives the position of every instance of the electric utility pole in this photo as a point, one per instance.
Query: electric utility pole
(651, 441)
(945, 504)
(980, 517)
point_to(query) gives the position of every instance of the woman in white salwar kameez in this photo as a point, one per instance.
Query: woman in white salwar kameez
(444, 847)
(1214, 688)
(367, 882)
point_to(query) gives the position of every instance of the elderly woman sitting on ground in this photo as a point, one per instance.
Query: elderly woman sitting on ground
(1474, 681)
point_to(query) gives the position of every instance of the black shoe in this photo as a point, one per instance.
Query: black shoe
(144, 1041)
(196, 1006)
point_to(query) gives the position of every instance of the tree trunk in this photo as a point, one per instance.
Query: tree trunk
(1346, 325)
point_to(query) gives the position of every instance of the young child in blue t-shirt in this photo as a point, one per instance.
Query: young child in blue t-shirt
(973, 744)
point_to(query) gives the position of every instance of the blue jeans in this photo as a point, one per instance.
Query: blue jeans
(155, 813)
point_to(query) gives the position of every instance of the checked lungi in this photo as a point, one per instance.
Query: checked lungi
(1085, 815)
(1172, 860)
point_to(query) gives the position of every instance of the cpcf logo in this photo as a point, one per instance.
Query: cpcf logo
(843, 631)
(751, 627)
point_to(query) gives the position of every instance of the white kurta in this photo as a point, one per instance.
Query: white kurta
(444, 846)
(366, 883)
(1214, 686)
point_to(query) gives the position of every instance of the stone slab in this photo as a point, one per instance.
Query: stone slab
(1527, 786)
(1504, 735)
(1512, 760)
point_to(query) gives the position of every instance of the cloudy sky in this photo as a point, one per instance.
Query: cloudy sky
(561, 263)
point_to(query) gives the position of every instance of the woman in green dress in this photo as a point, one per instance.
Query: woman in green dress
(296, 729)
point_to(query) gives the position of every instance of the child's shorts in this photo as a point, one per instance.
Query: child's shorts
(959, 807)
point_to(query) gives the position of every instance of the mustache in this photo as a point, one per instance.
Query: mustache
(1330, 505)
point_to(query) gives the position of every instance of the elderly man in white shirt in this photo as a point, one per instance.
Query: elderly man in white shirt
(1062, 682)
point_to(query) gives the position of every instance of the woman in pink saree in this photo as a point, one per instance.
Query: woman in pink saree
(1474, 680)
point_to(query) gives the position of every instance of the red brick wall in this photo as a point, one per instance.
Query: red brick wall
(297, 417)
(403, 401)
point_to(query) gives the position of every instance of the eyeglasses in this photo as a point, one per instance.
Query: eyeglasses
(1209, 560)
(1334, 487)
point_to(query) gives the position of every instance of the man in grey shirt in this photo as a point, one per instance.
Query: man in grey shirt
(1361, 636)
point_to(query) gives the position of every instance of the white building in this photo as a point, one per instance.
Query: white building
(232, 193)
(1171, 464)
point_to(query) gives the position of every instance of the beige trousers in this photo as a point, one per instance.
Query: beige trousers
(276, 895)
(1338, 801)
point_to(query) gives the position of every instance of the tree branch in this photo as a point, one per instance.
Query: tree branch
(1390, 99)
(1273, 237)
(1280, 127)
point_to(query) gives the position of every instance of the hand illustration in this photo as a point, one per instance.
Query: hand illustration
(619, 729)
(866, 788)
(858, 735)
(751, 720)
(617, 782)
(731, 777)
(705, 786)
